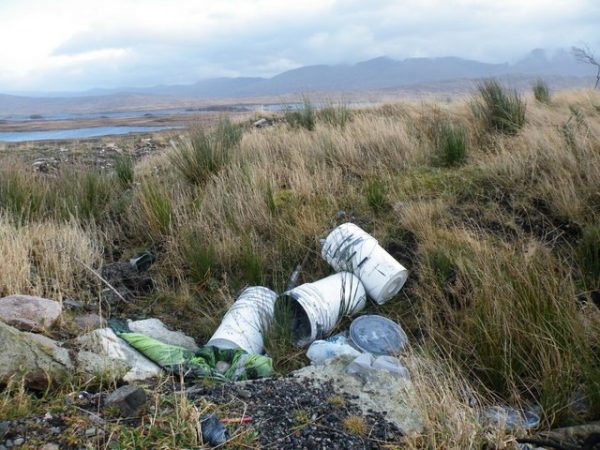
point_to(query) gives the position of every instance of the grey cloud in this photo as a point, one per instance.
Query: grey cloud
(351, 30)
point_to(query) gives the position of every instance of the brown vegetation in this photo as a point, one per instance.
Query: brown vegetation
(503, 245)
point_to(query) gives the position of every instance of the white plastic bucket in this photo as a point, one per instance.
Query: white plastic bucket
(317, 307)
(245, 322)
(349, 248)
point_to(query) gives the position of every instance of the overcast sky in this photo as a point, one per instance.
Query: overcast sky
(82, 44)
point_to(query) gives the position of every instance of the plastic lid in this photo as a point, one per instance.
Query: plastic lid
(377, 335)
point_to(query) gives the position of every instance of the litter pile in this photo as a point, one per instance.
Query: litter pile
(235, 351)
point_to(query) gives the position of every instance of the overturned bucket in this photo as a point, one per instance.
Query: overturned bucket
(246, 321)
(350, 248)
(317, 307)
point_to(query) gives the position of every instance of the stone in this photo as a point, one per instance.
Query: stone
(384, 392)
(72, 304)
(19, 441)
(91, 432)
(154, 328)
(89, 322)
(102, 365)
(129, 399)
(3, 428)
(245, 394)
(50, 446)
(261, 123)
(40, 359)
(113, 350)
(29, 313)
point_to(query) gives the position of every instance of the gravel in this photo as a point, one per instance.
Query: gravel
(288, 414)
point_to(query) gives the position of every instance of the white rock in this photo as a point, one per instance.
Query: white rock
(260, 123)
(102, 365)
(154, 328)
(106, 343)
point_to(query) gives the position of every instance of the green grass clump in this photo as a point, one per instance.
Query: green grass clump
(155, 209)
(588, 253)
(87, 194)
(124, 169)
(376, 195)
(22, 195)
(199, 256)
(541, 91)
(335, 115)
(302, 118)
(205, 153)
(450, 145)
(251, 264)
(500, 110)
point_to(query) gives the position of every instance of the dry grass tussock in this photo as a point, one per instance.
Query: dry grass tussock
(499, 231)
(46, 259)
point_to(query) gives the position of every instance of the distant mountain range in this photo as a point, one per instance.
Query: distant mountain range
(372, 75)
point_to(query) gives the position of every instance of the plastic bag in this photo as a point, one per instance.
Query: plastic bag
(336, 346)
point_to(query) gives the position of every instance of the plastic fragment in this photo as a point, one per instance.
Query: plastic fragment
(213, 431)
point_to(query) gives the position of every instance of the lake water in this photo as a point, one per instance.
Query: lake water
(81, 133)
(75, 133)
(150, 113)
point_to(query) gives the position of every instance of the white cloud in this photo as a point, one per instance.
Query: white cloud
(71, 44)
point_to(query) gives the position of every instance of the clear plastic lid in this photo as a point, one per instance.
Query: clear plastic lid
(377, 335)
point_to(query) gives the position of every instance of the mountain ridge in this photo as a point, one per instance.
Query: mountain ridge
(381, 73)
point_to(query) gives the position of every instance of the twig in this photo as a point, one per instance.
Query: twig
(103, 280)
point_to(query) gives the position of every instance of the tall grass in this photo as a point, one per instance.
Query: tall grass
(335, 115)
(47, 259)
(450, 144)
(588, 253)
(500, 109)
(510, 323)
(541, 91)
(154, 210)
(376, 195)
(304, 117)
(206, 152)
(88, 194)
(500, 244)
(124, 169)
(22, 195)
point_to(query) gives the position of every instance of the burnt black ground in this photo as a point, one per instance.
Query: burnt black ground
(296, 414)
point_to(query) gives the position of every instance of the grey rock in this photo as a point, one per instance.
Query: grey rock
(384, 392)
(261, 123)
(3, 428)
(89, 322)
(243, 393)
(29, 313)
(39, 358)
(18, 441)
(129, 399)
(72, 304)
(50, 446)
(113, 351)
(91, 432)
(157, 330)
